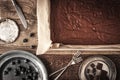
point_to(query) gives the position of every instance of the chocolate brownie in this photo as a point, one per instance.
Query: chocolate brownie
(85, 22)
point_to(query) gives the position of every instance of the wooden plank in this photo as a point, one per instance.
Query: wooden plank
(84, 52)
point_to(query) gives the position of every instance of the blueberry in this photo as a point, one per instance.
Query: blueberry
(25, 40)
(9, 68)
(5, 72)
(16, 72)
(18, 61)
(26, 61)
(32, 34)
(13, 63)
(33, 46)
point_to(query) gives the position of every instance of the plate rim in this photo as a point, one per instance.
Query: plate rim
(25, 54)
(102, 58)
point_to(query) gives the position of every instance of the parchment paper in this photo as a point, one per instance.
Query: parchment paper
(43, 16)
(44, 41)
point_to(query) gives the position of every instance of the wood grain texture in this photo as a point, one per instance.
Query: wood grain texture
(55, 61)
(7, 10)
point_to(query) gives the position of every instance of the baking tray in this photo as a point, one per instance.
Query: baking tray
(45, 42)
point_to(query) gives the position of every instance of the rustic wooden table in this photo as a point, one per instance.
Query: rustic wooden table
(52, 61)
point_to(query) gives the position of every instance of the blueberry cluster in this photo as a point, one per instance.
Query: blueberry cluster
(21, 70)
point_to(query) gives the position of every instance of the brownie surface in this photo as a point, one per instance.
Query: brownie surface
(85, 22)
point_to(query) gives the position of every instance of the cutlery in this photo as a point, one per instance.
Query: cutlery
(20, 13)
(75, 59)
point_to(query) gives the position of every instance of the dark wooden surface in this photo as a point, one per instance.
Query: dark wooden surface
(7, 11)
(54, 62)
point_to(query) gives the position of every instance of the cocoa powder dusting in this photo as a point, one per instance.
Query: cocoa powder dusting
(86, 22)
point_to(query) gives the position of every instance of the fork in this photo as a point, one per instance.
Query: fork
(75, 59)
